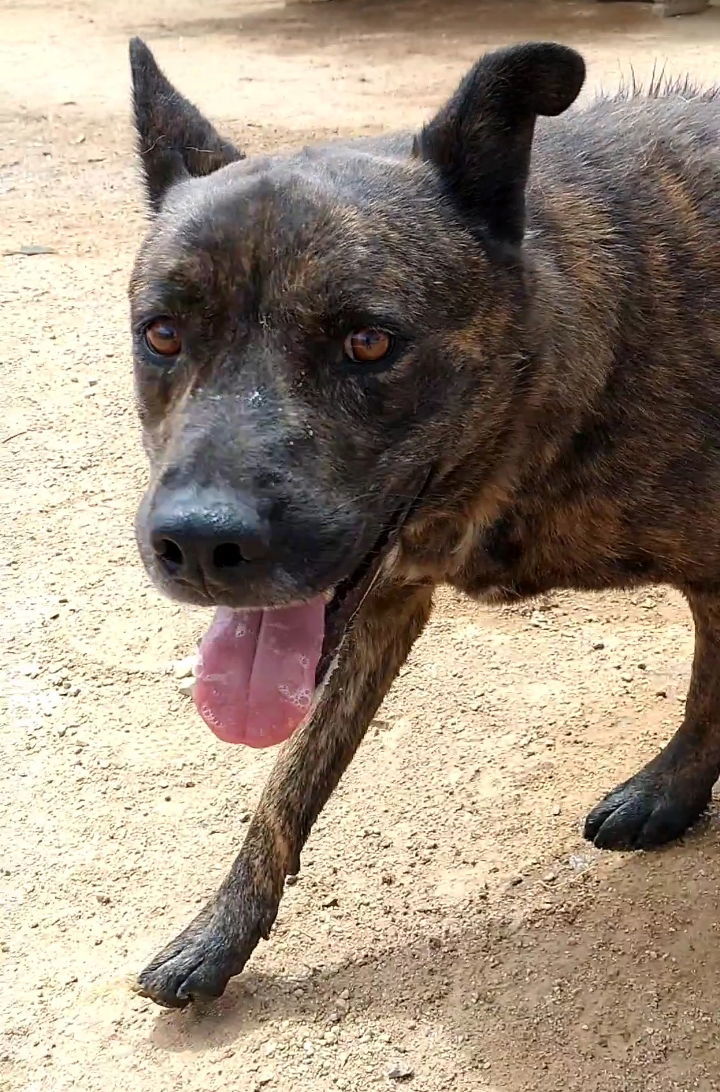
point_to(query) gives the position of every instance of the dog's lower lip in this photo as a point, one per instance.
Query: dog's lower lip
(347, 597)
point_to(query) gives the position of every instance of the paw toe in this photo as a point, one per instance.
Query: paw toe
(636, 816)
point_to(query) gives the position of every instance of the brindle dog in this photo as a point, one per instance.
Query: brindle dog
(374, 367)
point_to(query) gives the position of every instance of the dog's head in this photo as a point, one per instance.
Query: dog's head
(312, 331)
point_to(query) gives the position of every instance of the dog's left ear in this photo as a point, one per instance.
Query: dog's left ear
(174, 140)
(481, 140)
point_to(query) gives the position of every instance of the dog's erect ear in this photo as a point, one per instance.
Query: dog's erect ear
(174, 139)
(481, 140)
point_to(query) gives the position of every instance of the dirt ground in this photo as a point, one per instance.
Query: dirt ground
(449, 925)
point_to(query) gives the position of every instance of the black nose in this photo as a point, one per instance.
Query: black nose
(207, 540)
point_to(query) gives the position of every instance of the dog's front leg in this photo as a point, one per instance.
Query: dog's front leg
(216, 945)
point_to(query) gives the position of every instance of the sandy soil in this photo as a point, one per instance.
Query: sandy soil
(449, 924)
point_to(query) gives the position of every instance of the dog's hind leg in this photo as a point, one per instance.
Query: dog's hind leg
(661, 801)
(216, 945)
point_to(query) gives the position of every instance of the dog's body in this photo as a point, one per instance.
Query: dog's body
(544, 412)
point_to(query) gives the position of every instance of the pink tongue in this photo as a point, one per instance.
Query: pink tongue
(256, 677)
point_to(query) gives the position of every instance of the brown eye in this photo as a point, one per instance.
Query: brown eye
(163, 337)
(368, 346)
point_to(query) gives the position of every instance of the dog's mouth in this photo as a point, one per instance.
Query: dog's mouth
(260, 671)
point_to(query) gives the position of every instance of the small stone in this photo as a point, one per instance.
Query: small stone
(345, 995)
(598, 646)
(328, 903)
(29, 251)
(291, 880)
(387, 878)
(550, 877)
(183, 668)
(186, 686)
(245, 817)
(516, 881)
(308, 1048)
(401, 1071)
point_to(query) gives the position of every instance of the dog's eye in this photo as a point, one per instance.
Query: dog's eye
(368, 346)
(163, 337)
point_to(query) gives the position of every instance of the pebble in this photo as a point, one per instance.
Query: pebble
(30, 251)
(328, 903)
(401, 1071)
(183, 668)
(308, 1048)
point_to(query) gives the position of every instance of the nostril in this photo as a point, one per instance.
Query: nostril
(169, 553)
(227, 556)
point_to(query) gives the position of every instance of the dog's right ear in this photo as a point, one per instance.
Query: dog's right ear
(174, 140)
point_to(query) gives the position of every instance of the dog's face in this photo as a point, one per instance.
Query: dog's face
(313, 333)
(294, 343)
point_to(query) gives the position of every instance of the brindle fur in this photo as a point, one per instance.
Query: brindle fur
(558, 378)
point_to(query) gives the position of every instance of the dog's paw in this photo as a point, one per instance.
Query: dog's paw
(194, 967)
(200, 962)
(645, 812)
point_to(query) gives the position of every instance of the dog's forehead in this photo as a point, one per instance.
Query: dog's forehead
(298, 222)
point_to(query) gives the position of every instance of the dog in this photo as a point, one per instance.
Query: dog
(486, 354)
